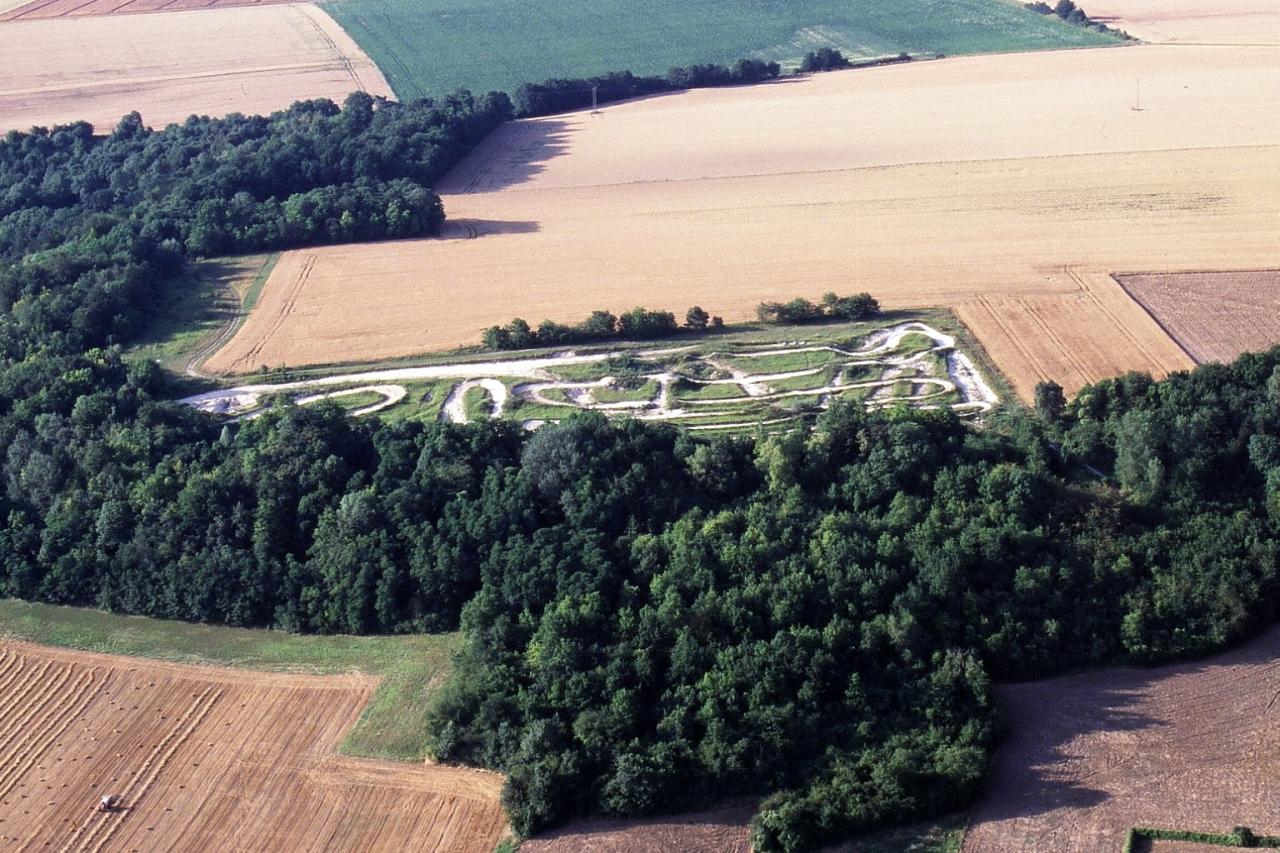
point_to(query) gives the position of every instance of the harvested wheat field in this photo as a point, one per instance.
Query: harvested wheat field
(169, 66)
(1214, 316)
(1225, 22)
(1192, 747)
(90, 8)
(967, 183)
(207, 758)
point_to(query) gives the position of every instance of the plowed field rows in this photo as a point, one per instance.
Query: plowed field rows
(1213, 316)
(169, 66)
(1192, 747)
(969, 183)
(92, 8)
(206, 759)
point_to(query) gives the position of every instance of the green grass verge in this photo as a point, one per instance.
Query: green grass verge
(693, 391)
(645, 391)
(783, 363)
(431, 47)
(196, 312)
(1138, 838)
(392, 727)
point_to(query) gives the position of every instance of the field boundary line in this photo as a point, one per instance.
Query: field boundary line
(1168, 331)
(224, 335)
(328, 39)
(1122, 327)
(290, 300)
(881, 167)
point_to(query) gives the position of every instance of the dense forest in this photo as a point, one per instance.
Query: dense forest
(651, 618)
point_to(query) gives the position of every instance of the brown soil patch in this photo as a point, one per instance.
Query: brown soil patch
(1214, 316)
(880, 180)
(1194, 746)
(91, 8)
(724, 830)
(1229, 22)
(169, 66)
(208, 758)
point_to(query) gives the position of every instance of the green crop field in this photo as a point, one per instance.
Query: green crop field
(431, 47)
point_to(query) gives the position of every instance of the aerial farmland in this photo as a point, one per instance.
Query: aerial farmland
(639, 426)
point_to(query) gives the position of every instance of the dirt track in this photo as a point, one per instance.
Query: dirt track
(208, 758)
(171, 65)
(1194, 746)
(727, 197)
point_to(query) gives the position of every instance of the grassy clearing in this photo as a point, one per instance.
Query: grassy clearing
(430, 47)
(391, 727)
(478, 404)
(820, 379)
(358, 400)
(196, 311)
(645, 391)
(782, 363)
(694, 391)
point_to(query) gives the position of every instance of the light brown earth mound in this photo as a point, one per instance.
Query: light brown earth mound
(1214, 316)
(725, 198)
(169, 66)
(211, 759)
(91, 8)
(1193, 747)
(1227, 22)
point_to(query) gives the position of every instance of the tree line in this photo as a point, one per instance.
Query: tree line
(560, 95)
(1068, 11)
(638, 324)
(860, 306)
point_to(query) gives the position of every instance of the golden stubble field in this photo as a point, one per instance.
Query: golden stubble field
(169, 65)
(1006, 187)
(211, 759)
(1224, 22)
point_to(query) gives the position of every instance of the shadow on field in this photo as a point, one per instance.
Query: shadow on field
(512, 155)
(1078, 741)
(470, 229)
